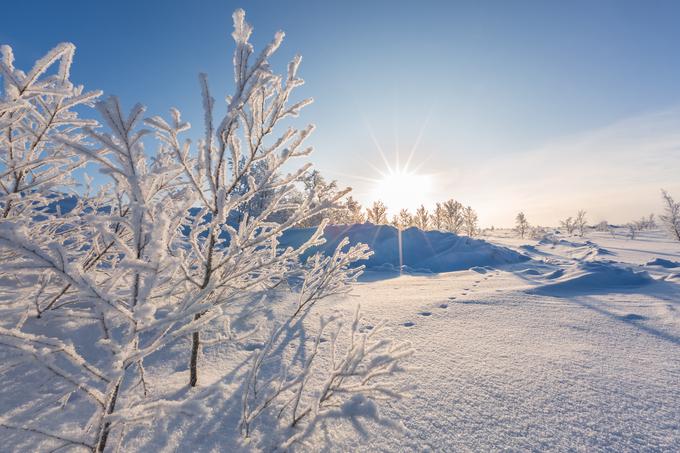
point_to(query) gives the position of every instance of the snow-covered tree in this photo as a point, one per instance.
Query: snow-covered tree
(671, 216)
(421, 219)
(470, 221)
(521, 225)
(377, 213)
(402, 220)
(151, 256)
(646, 223)
(580, 222)
(454, 217)
(318, 189)
(36, 107)
(603, 226)
(348, 212)
(568, 224)
(651, 222)
(438, 217)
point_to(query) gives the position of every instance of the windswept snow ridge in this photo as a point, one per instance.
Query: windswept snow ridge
(421, 251)
(589, 277)
(663, 263)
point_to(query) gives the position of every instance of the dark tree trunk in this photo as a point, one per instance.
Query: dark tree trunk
(101, 445)
(195, 346)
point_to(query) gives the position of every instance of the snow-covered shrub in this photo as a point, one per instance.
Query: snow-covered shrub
(349, 212)
(581, 223)
(521, 225)
(568, 224)
(671, 215)
(602, 227)
(35, 108)
(422, 218)
(403, 220)
(359, 364)
(377, 213)
(154, 255)
(470, 221)
(454, 218)
(438, 217)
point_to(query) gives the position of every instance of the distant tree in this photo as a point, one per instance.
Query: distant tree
(646, 223)
(568, 224)
(317, 189)
(403, 220)
(453, 216)
(470, 221)
(422, 218)
(521, 225)
(649, 222)
(581, 223)
(348, 212)
(377, 213)
(632, 230)
(438, 217)
(671, 216)
(603, 226)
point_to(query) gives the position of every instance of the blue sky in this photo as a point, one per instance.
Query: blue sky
(536, 105)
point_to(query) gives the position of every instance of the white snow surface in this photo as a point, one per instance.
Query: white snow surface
(576, 349)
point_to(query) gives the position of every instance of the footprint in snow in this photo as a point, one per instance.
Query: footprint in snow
(633, 317)
(253, 346)
(444, 306)
(409, 324)
(425, 313)
(452, 298)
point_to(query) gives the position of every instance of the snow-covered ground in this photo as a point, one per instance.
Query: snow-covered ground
(565, 352)
(574, 349)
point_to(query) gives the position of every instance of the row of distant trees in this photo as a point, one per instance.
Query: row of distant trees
(449, 216)
(670, 220)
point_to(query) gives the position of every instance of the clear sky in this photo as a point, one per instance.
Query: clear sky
(541, 106)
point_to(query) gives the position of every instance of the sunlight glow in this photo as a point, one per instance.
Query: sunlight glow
(402, 189)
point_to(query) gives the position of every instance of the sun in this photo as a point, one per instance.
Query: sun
(401, 189)
(398, 183)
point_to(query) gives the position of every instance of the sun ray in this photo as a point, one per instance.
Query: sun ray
(377, 145)
(419, 137)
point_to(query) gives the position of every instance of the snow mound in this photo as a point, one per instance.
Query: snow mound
(597, 276)
(663, 263)
(585, 251)
(424, 251)
(529, 272)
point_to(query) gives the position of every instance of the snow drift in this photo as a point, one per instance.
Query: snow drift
(668, 264)
(428, 251)
(597, 276)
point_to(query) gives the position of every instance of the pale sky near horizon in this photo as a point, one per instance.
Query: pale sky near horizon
(545, 107)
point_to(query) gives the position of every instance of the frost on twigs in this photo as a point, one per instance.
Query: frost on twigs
(343, 378)
(35, 108)
(152, 259)
(297, 394)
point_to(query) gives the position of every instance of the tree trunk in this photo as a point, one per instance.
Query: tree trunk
(101, 445)
(195, 346)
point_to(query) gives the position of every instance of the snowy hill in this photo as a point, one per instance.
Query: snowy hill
(422, 251)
